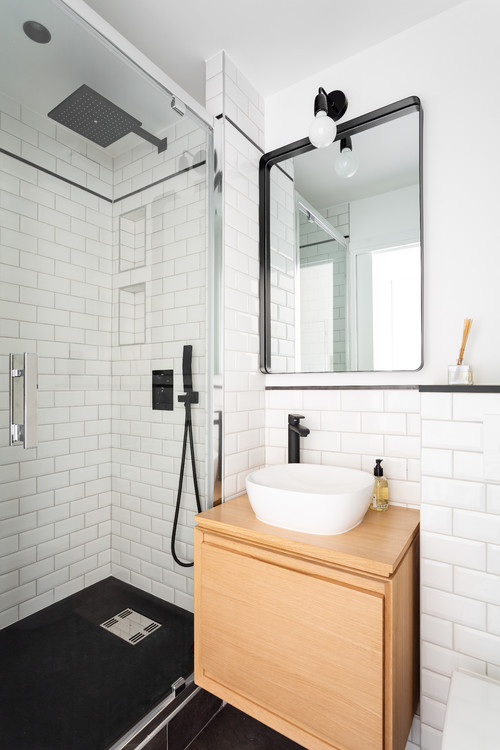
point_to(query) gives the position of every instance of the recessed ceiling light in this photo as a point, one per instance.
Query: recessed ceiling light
(37, 32)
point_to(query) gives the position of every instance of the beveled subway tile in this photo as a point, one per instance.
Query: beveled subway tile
(433, 712)
(443, 548)
(436, 630)
(481, 586)
(455, 435)
(454, 608)
(453, 493)
(436, 574)
(468, 465)
(407, 446)
(436, 406)
(473, 525)
(362, 400)
(437, 518)
(435, 685)
(384, 423)
(477, 644)
(360, 443)
(437, 462)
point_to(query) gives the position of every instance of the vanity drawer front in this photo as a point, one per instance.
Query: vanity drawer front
(305, 650)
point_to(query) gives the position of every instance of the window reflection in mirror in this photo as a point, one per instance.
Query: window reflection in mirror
(342, 257)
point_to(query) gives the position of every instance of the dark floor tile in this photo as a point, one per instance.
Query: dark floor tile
(185, 725)
(231, 729)
(158, 742)
(174, 705)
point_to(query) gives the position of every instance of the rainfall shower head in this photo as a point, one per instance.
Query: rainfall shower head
(96, 118)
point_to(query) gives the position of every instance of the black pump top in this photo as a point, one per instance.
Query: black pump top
(378, 470)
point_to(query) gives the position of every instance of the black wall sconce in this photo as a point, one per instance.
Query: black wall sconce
(328, 108)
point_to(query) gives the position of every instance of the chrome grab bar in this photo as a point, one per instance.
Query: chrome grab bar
(23, 412)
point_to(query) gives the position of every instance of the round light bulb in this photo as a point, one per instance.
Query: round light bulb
(322, 131)
(346, 163)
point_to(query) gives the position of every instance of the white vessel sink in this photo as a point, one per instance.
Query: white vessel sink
(311, 498)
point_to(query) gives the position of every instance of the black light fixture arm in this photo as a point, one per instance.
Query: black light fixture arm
(345, 142)
(334, 104)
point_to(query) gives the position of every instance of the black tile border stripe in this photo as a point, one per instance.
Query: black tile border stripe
(158, 182)
(242, 132)
(341, 387)
(410, 387)
(94, 192)
(236, 127)
(54, 174)
(459, 388)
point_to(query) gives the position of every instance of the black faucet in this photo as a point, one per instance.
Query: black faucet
(295, 432)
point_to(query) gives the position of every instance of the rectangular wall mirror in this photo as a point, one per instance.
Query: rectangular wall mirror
(341, 258)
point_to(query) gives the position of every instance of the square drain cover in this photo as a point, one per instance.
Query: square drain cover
(130, 626)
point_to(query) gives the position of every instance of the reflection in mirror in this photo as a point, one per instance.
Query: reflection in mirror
(341, 257)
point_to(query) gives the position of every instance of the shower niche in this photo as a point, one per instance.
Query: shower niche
(133, 239)
(132, 314)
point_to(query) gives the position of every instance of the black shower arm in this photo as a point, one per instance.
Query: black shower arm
(160, 142)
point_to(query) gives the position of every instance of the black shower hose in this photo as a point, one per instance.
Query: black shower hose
(188, 431)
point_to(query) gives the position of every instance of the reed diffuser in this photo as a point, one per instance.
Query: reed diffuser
(461, 374)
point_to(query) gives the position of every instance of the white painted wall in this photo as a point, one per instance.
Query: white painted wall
(445, 61)
(384, 220)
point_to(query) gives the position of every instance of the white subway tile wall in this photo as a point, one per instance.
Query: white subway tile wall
(283, 242)
(95, 498)
(147, 444)
(323, 279)
(460, 550)
(352, 428)
(230, 94)
(56, 288)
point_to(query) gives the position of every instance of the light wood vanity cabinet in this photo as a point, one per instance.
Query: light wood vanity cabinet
(316, 636)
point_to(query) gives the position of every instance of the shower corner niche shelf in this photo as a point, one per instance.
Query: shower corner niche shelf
(132, 314)
(133, 239)
(315, 636)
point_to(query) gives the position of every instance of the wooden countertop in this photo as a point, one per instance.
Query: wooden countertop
(376, 546)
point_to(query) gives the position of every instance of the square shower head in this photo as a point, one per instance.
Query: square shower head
(95, 117)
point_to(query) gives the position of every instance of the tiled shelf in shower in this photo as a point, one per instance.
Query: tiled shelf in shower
(132, 314)
(133, 239)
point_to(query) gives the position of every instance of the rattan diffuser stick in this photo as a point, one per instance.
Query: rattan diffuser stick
(465, 336)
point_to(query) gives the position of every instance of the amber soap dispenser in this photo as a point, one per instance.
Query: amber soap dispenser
(380, 496)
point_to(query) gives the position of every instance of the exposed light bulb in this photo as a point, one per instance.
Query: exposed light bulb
(346, 163)
(322, 131)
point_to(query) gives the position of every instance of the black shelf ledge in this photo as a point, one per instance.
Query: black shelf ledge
(459, 388)
(391, 387)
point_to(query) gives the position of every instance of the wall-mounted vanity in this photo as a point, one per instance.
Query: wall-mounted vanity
(315, 636)
(341, 258)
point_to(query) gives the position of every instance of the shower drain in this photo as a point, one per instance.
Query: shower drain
(130, 626)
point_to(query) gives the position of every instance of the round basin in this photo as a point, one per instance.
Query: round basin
(310, 498)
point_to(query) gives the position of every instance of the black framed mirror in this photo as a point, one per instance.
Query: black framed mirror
(341, 261)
